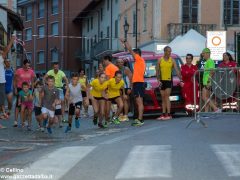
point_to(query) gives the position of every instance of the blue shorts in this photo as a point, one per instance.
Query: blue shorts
(8, 90)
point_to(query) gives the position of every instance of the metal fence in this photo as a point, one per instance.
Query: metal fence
(224, 93)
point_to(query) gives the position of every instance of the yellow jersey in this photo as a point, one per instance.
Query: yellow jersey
(114, 88)
(166, 69)
(83, 81)
(98, 88)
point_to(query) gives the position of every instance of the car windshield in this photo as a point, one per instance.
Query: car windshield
(151, 67)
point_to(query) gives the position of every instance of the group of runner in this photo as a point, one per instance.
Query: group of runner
(46, 96)
(113, 84)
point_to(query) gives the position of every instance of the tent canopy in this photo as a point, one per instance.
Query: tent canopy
(192, 42)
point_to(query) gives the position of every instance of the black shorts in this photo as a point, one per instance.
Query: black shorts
(166, 85)
(73, 107)
(37, 110)
(84, 94)
(58, 112)
(113, 100)
(99, 98)
(138, 89)
(126, 91)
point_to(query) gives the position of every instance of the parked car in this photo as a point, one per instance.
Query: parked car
(152, 98)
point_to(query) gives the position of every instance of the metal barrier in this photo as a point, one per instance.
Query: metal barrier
(224, 93)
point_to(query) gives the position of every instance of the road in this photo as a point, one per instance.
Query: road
(158, 150)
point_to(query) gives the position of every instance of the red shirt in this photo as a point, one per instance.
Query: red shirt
(24, 76)
(227, 65)
(188, 72)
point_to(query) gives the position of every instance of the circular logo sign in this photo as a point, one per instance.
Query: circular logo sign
(216, 40)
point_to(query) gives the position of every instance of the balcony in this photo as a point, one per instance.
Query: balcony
(175, 29)
(100, 48)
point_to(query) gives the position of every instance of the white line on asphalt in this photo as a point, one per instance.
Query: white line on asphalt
(229, 156)
(59, 162)
(123, 137)
(147, 162)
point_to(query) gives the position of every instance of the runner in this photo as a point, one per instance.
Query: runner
(127, 78)
(9, 74)
(74, 96)
(37, 105)
(113, 91)
(110, 68)
(84, 82)
(3, 55)
(164, 68)
(207, 75)
(187, 72)
(137, 81)
(49, 98)
(25, 100)
(24, 74)
(99, 85)
(59, 77)
(228, 61)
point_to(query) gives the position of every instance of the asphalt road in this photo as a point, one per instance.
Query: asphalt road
(158, 150)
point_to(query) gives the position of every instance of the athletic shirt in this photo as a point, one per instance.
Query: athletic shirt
(24, 76)
(82, 81)
(98, 88)
(139, 69)
(227, 65)
(166, 69)
(206, 74)
(75, 93)
(114, 88)
(58, 77)
(2, 74)
(125, 78)
(9, 74)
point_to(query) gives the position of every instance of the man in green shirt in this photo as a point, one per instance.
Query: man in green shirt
(59, 77)
(207, 75)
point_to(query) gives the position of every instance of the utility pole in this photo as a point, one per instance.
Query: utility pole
(136, 31)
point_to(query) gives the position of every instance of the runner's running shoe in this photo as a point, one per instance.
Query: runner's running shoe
(77, 123)
(68, 128)
(137, 123)
(49, 130)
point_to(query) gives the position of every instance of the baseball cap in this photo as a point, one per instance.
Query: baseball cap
(206, 50)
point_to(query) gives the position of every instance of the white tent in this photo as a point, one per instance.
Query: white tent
(192, 42)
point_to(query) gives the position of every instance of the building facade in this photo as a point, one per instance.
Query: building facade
(152, 24)
(10, 4)
(50, 34)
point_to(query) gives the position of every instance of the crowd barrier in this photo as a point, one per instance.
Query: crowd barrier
(224, 93)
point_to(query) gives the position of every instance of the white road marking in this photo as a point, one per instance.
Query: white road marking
(229, 156)
(59, 162)
(123, 137)
(147, 162)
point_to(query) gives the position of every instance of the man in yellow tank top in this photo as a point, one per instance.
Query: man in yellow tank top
(164, 69)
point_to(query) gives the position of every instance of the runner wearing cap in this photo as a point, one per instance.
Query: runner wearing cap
(207, 75)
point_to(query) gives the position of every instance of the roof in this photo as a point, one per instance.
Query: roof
(15, 18)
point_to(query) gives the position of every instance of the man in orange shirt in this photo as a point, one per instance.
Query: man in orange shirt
(110, 68)
(137, 81)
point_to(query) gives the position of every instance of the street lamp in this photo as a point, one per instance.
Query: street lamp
(126, 28)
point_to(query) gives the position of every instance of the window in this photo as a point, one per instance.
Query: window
(190, 11)
(91, 22)
(145, 16)
(232, 12)
(134, 23)
(28, 13)
(54, 6)
(101, 35)
(28, 34)
(101, 14)
(18, 61)
(108, 31)
(55, 29)
(108, 4)
(88, 46)
(40, 57)
(116, 28)
(95, 38)
(88, 25)
(54, 55)
(41, 9)
(41, 31)
(29, 56)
